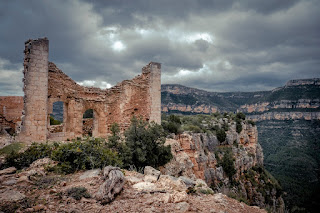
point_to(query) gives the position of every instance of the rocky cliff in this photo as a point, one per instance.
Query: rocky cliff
(233, 166)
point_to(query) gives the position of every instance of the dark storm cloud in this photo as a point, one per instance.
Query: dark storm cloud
(211, 44)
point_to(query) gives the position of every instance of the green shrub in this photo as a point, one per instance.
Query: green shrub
(238, 126)
(192, 128)
(80, 155)
(146, 144)
(221, 135)
(21, 160)
(227, 163)
(14, 147)
(118, 145)
(78, 192)
(171, 124)
(251, 122)
(241, 116)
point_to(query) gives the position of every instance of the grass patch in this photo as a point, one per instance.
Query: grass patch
(14, 147)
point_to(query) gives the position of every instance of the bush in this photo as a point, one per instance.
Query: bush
(70, 156)
(251, 122)
(78, 192)
(116, 144)
(240, 116)
(146, 144)
(172, 124)
(227, 163)
(221, 135)
(238, 126)
(21, 160)
(14, 147)
(192, 128)
(88, 154)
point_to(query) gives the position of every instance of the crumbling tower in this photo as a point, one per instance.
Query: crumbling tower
(154, 90)
(34, 119)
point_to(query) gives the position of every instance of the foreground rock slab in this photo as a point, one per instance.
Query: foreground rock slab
(112, 186)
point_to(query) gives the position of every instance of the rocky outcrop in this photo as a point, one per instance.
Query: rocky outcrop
(202, 156)
(301, 82)
(167, 194)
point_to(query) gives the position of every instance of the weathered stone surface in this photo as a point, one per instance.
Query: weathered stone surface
(187, 181)
(148, 170)
(90, 174)
(133, 179)
(145, 186)
(11, 196)
(112, 186)
(151, 174)
(9, 170)
(171, 183)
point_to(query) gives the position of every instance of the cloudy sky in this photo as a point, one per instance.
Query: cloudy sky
(217, 45)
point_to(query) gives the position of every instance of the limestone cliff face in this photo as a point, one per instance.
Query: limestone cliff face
(281, 104)
(285, 116)
(207, 109)
(200, 155)
(300, 95)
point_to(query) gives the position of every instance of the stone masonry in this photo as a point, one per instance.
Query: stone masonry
(45, 83)
(34, 119)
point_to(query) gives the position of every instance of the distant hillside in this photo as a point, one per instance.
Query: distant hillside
(297, 95)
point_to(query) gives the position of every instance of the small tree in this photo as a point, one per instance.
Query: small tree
(221, 135)
(227, 164)
(146, 144)
(115, 143)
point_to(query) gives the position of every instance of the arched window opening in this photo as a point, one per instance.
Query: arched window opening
(56, 117)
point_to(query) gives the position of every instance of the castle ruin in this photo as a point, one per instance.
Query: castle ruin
(45, 84)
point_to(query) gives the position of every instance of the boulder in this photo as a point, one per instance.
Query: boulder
(113, 185)
(187, 181)
(90, 174)
(182, 207)
(150, 178)
(133, 179)
(171, 183)
(145, 186)
(7, 171)
(148, 170)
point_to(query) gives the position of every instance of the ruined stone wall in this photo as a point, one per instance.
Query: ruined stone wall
(140, 96)
(45, 84)
(10, 111)
(34, 119)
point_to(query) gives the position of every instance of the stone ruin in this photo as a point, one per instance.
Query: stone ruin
(45, 84)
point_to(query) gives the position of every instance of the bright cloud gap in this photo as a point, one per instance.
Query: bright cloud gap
(93, 83)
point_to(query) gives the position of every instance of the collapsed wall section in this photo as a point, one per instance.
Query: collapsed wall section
(10, 112)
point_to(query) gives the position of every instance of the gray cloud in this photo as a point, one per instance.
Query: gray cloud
(215, 45)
